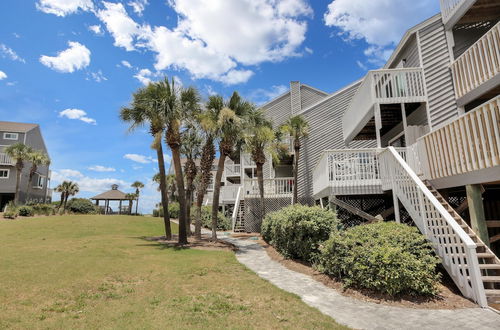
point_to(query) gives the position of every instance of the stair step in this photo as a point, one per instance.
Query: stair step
(495, 279)
(489, 266)
(485, 255)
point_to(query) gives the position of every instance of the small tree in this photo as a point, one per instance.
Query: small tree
(138, 185)
(36, 158)
(67, 188)
(20, 153)
(131, 197)
(297, 128)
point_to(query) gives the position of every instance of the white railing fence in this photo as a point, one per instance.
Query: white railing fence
(228, 193)
(477, 64)
(470, 142)
(236, 208)
(232, 170)
(6, 160)
(383, 86)
(272, 187)
(455, 248)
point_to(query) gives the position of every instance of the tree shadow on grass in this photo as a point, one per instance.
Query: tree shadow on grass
(204, 244)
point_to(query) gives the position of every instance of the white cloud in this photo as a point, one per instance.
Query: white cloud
(261, 95)
(235, 77)
(308, 50)
(76, 57)
(3, 75)
(144, 76)
(97, 76)
(126, 64)
(66, 174)
(381, 23)
(11, 83)
(361, 65)
(86, 183)
(16, 35)
(119, 24)
(64, 7)
(77, 114)
(138, 6)
(96, 29)
(100, 168)
(140, 158)
(8, 52)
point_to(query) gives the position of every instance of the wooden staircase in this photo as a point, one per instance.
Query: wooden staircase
(239, 225)
(489, 264)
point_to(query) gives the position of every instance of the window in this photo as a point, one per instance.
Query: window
(39, 182)
(4, 174)
(10, 136)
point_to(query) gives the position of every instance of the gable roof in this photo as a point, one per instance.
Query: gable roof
(11, 126)
(113, 194)
(287, 93)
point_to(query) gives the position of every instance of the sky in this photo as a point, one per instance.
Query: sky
(70, 65)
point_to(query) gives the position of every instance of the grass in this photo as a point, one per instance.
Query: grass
(97, 272)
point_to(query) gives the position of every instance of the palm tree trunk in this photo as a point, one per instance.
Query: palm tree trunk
(295, 174)
(189, 194)
(137, 204)
(260, 181)
(163, 191)
(197, 224)
(62, 200)
(215, 202)
(181, 193)
(65, 201)
(19, 170)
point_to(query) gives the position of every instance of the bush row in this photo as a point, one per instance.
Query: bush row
(75, 205)
(223, 223)
(386, 257)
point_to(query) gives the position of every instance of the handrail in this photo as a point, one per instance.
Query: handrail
(455, 247)
(236, 208)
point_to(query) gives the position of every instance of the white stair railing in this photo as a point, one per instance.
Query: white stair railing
(451, 243)
(236, 207)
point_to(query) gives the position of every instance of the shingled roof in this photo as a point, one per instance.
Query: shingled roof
(11, 126)
(113, 194)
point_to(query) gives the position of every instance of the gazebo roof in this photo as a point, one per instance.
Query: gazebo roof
(113, 194)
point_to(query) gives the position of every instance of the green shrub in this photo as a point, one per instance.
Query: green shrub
(44, 209)
(173, 211)
(387, 257)
(297, 231)
(11, 211)
(81, 206)
(26, 211)
(223, 222)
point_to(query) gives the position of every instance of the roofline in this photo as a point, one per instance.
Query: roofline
(337, 92)
(407, 36)
(20, 131)
(275, 99)
(315, 89)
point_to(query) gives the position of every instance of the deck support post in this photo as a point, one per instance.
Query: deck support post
(331, 205)
(405, 124)
(120, 207)
(378, 124)
(476, 211)
(106, 204)
(396, 207)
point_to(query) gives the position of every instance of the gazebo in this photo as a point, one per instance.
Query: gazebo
(112, 195)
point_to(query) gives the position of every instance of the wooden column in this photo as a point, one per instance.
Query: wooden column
(378, 124)
(331, 205)
(120, 207)
(106, 203)
(405, 124)
(476, 211)
(396, 207)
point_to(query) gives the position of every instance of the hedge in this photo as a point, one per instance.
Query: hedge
(81, 206)
(387, 257)
(26, 211)
(297, 231)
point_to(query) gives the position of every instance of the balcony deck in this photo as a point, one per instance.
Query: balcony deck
(6, 160)
(273, 188)
(468, 11)
(388, 86)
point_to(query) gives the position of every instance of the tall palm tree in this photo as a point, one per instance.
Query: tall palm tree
(138, 185)
(36, 158)
(146, 108)
(191, 149)
(177, 103)
(171, 187)
(229, 134)
(208, 125)
(20, 153)
(297, 127)
(67, 188)
(130, 197)
(259, 141)
(157, 179)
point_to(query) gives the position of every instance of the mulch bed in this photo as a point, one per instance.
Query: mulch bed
(205, 243)
(448, 298)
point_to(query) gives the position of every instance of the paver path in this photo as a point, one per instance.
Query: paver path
(355, 313)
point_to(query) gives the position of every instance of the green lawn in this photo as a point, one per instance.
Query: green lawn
(97, 272)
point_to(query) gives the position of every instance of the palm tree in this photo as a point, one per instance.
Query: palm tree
(20, 153)
(36, 158)
(229, 134)
(297, 127)
(138, 185)
(67, 188)
(171, 187)
(157, 179)
(208, 124)
(259, 141)
(131, 197)
(177, 103)
(146, 108)
(191, 149)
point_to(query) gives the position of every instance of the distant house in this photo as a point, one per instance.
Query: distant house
(29, 134)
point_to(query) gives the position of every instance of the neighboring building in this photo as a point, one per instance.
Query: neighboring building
(29, 134)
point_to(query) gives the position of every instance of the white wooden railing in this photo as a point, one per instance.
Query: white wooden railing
(478, 64)
(469, 143)
(451, 243)
(382, 86)
(247, 161)
(277, 187)
(228, 193)
(236, 208)
(232, 170)
(6, 160)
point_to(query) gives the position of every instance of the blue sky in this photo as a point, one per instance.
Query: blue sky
(69, 65)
